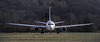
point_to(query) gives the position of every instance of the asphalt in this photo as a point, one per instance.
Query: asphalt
(62, 37)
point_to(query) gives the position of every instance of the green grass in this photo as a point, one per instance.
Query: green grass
(62, 37)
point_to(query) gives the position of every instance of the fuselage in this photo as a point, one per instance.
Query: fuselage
(50, 25)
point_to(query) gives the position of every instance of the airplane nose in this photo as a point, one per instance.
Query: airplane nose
(50, 28)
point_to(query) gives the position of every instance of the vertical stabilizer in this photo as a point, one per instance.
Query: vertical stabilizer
(49, 13)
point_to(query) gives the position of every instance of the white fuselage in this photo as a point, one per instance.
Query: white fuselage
(50, 25)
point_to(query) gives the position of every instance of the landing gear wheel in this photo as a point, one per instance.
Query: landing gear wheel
(42, 31)
(50, 32)
(57, 32)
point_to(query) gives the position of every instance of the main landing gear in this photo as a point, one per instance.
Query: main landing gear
(58, 31)
(42, 31)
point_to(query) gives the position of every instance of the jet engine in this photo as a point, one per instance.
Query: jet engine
(63, 29)
(36, 29)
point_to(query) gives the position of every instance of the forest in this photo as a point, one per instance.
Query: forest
(70, 11)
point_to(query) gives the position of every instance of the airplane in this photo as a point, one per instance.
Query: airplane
(50, 25)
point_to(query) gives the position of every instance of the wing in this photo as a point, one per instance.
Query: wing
(73, 25)
(25, 25)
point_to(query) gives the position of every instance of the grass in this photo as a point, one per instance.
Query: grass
(62, 37)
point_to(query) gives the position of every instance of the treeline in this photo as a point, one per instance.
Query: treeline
(70, 11)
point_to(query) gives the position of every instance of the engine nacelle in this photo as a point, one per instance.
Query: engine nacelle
(36, 29)
(63, 29)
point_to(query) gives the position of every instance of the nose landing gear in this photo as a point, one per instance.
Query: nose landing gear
(50, 32)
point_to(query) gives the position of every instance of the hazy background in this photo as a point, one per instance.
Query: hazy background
(70, 11)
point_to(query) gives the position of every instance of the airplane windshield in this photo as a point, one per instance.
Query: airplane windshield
(50, 24)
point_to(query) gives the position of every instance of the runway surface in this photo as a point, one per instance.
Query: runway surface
(62, 37)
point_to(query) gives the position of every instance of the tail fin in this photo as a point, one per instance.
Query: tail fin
(49, 13)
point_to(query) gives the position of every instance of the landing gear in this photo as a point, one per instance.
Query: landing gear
(42, 31)
(50, 32)
(58, 31)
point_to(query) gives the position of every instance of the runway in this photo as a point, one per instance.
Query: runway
(62, 37)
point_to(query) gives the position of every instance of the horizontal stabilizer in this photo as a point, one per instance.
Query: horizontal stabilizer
(59, 22)
(40, 22)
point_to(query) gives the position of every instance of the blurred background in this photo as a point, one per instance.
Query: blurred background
(70, 11)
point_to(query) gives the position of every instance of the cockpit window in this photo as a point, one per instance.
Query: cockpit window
(50, 24)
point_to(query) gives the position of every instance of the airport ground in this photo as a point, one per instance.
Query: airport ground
(62, 37)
